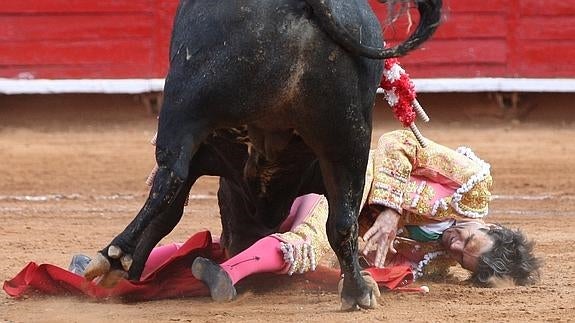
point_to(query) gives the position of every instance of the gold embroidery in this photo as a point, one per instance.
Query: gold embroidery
(424, 203)
(311, 231)
(477, 199)
(414, 218)
(398, 156)
(438, 267)
(443, 213)
(415, 250)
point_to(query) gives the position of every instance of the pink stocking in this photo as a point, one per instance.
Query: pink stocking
(264, 256)
(300, 210)
(158, 256)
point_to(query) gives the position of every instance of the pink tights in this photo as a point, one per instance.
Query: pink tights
(158, 256)
(263, 256)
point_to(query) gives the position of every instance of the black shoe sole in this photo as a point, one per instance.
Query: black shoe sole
(218, 281)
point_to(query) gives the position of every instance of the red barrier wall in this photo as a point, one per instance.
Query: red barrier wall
(62, 39)
(85, 39)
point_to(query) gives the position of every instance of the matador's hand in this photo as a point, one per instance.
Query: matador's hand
(382, 233)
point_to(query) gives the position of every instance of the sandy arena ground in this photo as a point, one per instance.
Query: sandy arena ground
(73, 171)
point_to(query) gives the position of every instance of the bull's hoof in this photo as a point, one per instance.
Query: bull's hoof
(221, 287)
(104, 272)
(98, 266)
(365, 301)
(112, 278)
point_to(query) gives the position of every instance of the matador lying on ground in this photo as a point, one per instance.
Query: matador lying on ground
(424, 205)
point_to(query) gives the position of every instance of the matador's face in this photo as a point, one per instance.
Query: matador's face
(465, 242)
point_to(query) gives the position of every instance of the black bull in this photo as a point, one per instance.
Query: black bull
(276, 98)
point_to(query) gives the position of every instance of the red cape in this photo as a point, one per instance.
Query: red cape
(172, 279)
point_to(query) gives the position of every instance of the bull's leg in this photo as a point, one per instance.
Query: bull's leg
(130, 245)
(149, 235)
(180, 134)
(343, 153)
(209, 160)
(130, 249)
(344, 179)
(162, 211)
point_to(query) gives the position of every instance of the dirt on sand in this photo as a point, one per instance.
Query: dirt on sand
(73, 172)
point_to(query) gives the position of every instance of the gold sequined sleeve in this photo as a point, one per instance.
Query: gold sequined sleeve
(392, 165)
(398, 157)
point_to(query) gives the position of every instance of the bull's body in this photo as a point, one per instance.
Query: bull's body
(306, 102)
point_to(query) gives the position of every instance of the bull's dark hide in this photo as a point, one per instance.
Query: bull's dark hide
(300, 78)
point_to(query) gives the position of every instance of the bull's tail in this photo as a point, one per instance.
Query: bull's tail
(430, 16)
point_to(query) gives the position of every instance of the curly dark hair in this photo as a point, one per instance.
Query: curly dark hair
(510, 258)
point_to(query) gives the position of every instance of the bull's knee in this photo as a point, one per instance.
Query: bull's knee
(167, 183)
